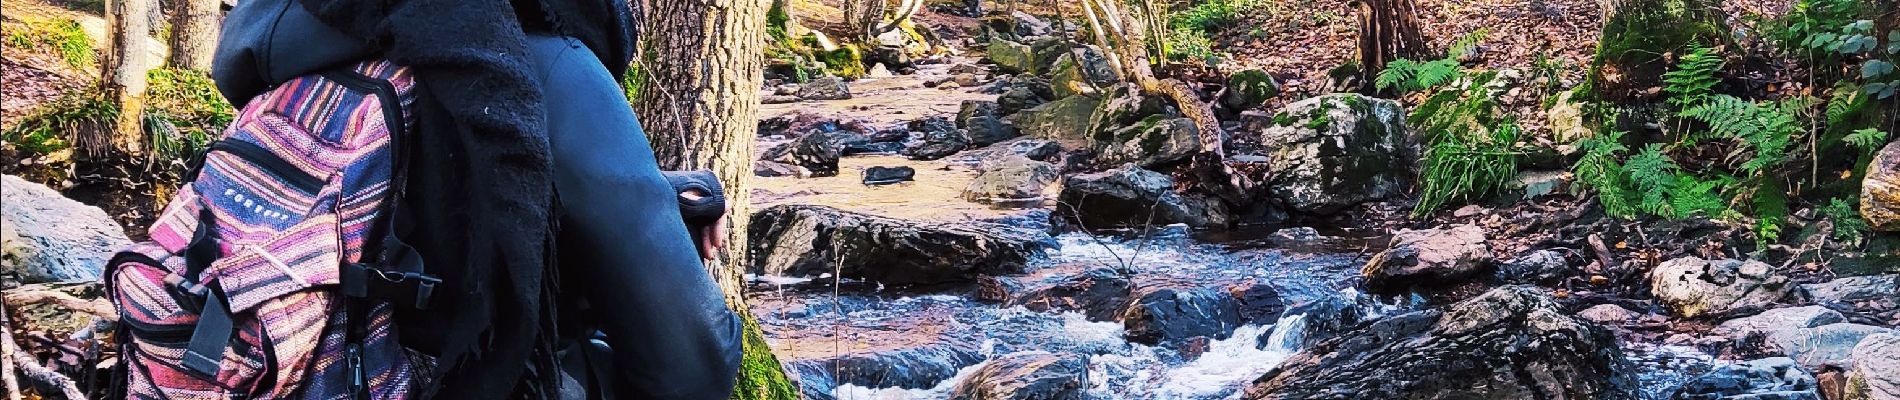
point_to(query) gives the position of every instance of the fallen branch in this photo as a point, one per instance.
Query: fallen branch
(98, 308)
(6, 357)
(1604, 260)
(11, 356)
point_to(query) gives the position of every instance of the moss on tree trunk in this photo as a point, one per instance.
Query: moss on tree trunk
(760, 375)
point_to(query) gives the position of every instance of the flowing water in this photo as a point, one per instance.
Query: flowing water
(854, 340)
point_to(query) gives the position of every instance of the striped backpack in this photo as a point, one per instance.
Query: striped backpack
(273, 273)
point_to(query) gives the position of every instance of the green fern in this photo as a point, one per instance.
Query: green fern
(1866, 140)
(1411, 76)
(1849, 227)
(1766, 131)
(1693, 80)
(1598, 170)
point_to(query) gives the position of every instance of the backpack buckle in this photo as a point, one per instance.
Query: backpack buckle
(360, 280)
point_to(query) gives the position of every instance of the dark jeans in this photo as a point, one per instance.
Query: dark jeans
(623, 247)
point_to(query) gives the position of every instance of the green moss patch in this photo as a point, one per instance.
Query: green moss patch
(760, 375)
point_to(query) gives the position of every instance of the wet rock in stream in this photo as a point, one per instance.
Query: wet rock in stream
(1131, 196)
(1512, 342)
(1172, 315)
(1765, 379)
(1097, 293)
(910, 368)
(811, 240)
(1026, 376)
(1011, 180)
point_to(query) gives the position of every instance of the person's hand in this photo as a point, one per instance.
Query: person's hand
(712, 238)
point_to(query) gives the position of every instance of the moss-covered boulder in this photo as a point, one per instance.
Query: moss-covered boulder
(1082, 71)
(1011, 57)
(1065, 121)
(1155, 141)
(1328, 153)
(1638, 37)
(1248, 89)
(1045, 51)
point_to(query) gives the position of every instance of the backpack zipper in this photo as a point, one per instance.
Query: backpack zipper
(271, 163)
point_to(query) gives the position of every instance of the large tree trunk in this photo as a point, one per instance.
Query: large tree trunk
(1388, 30)
(702, 64)
(194, 33)
(128, 57)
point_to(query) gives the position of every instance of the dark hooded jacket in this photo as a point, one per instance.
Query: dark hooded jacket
(480, 200)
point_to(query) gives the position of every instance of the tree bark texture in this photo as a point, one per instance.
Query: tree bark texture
(1388, 30)
(128, 57)
(194, 33)
(702, 67)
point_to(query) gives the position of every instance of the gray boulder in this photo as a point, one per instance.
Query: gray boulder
(1855, 289)
(1131, 196)
(1777, 320)
(1693, 287)
(1775, 378)
(1171, 315)
(1428, 256)
(1512, 342)
(826, 88)
(1010, 180)
(1831, 344)
(939, 138)
(1336, 151)
(1036, 149)
(810, 240)
(975, 109)
(1029, 25)
(46, 237)
(1031, 375)
(1876, 372)
(1608, 314)
(1541, 266)
(1155, 141)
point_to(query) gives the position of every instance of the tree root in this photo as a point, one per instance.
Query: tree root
(97, 308)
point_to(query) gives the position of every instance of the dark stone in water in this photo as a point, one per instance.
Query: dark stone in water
(910, 368)
(888, 175)
(818, 153)
(1172, 314)
(1131, 196)
(1328, 317)
(1542, 266)
(1026, 376)
(1260, 303)
(853, 149)
(1513, 342)
(1776, 378)
(1098, 294)
(1036, 149)
(810, 240)
(939, 144)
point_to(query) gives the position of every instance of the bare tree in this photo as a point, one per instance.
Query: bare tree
(128, 57)
(194, 33)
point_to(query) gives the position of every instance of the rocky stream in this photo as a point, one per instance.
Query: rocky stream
(905, 250)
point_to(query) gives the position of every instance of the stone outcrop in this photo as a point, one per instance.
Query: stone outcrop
(810, 240)
(1131, 196)
(1171, 315)
(1692, 286)
(46, 237)
(1330, 152)
(1428, 256)
(1880, 191)
(1031, 375)
(1010, 180)
(1512, 342)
